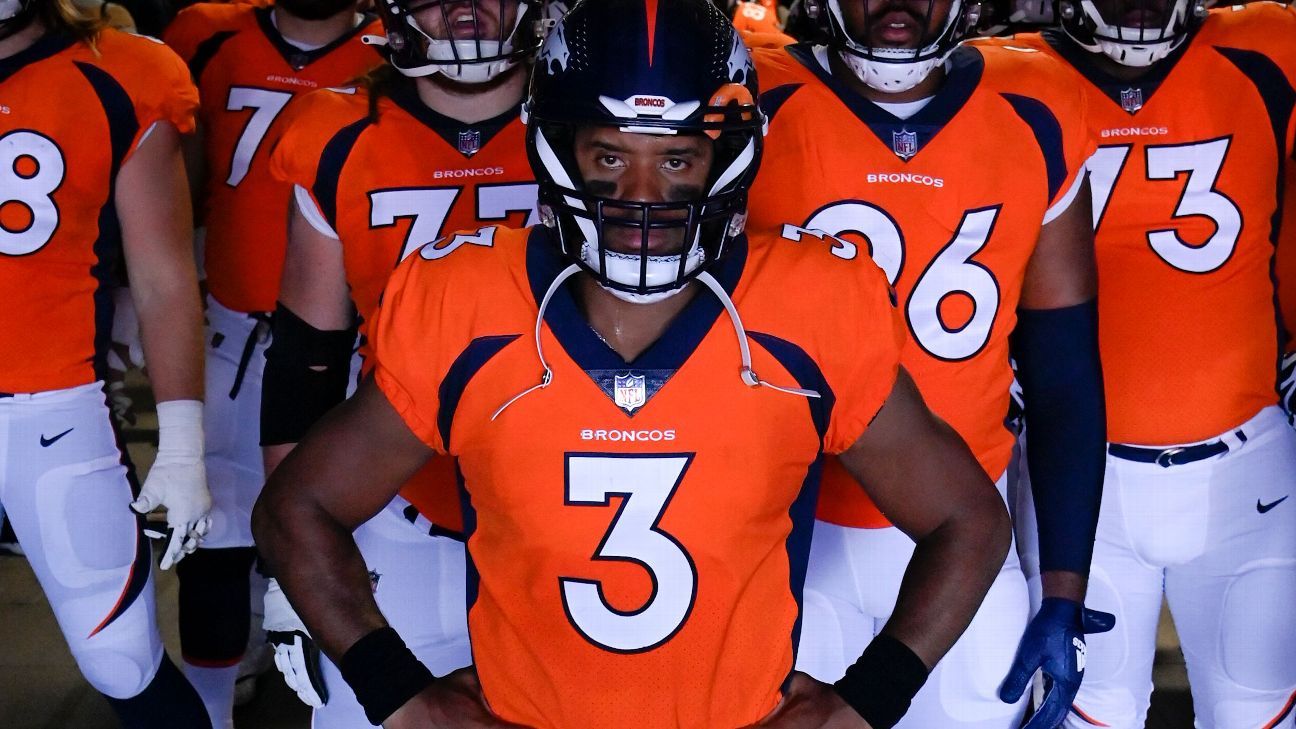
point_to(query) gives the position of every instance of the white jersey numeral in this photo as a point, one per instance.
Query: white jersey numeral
(31, 170)
(953, 271)
(266, 106)
(428, 208)
(1203, 162)
(646, 484)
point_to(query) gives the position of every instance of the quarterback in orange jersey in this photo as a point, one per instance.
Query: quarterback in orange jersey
(639, 413)
(456, 131)
(1193, 111)
(248, 63)
(961, 172)
(90, 180)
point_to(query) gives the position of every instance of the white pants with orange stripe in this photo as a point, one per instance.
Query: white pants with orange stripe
(1217, 538)
(852, 584)
(65, 490)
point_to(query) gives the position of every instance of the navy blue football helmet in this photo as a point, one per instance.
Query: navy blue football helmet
(659, 67)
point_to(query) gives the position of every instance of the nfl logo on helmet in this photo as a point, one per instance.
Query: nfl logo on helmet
(629, 391)
(904, 143)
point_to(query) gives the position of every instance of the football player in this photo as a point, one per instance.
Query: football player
(960, 171)
(639, 411)
(454, 126)
(249, 63)
(92, 172)
(1193, 114)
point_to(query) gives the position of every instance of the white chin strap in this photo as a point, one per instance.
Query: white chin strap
(459, 60)
(892, 77)
(1136, 47)
(624, 269)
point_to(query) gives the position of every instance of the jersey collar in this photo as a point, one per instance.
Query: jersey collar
(294, 56)
(50, 44)
(467, 138)
(1129, 95)
(663, 358)
(906, 137)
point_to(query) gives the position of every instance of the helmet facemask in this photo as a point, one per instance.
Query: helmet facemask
(468, 41)
(1136, 33)
(894, 69)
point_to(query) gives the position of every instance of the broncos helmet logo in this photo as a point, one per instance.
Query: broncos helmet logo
(740, 61)
(554, 51)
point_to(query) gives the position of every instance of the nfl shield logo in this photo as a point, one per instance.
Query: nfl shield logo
(1132, 100)
(905, 143)
(629, 392)
(469, 142)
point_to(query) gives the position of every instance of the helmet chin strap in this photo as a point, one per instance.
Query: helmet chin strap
(746, 373)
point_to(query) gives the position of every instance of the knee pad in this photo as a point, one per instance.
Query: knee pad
(214, 607)
(1257, 642)
(119, 668)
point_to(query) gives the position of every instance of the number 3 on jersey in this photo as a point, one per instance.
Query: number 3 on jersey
(953, 271)
(31, 170)
(646, 485)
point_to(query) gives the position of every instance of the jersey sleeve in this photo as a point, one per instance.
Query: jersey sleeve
(405, 345)
(863, 357)
(301, 137)
(189, 29)
(1078, 145)
(157, 82)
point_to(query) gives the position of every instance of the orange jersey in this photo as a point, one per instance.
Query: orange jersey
(949, 202)
(247, 73)
(1186, 183)
(60, 240)
(646, 524)
(756, 17)
(388, 187)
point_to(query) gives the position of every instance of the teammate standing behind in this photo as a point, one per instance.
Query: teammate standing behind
(639, 498)
(1194, 115)
(248, 62)
(962, 173)
(426, 146)
(92, 171)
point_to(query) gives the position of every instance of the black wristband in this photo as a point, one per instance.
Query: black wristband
(383, 673)
(883, 682)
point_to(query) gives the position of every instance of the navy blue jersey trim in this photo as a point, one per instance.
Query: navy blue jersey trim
(1280, 102)
(591, 353)
(472, 578)
(50, 45)
(797, 544)
(475, 356)
(296, 57)
(808, 376)
(773, 99)
(404, 94)
(205, 52)
(1083, 62)
(109, 267)
(1048, 133)
(332, 160)
(965, 68)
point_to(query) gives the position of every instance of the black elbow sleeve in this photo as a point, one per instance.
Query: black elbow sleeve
(306, 374)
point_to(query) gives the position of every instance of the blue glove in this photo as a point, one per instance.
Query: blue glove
(1054, 643)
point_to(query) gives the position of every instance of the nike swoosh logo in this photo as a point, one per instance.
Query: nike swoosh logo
(1264, 508)
(47, 442)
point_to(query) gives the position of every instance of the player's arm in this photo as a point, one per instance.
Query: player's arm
(308, 363)
(923, 477)
(348, 468)
(152, 203)
(1056, 348)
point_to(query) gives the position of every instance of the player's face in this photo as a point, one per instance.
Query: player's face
(643, 168)
(1135, 13)
(465, 19)
(908, 24)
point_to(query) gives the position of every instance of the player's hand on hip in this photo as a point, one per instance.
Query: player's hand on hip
(453, 702)
(809, 704)
(1054, 644)
(295, 653)
(1287, 386)
(178, 479)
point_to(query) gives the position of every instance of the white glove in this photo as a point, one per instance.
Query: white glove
(178, 479)
(1287, 385)
(295, 653)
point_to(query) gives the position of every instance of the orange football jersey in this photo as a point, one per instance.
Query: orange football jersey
(756, 16)
(70, 116)
(247, 73)
(1186, 185)
(949, 202)
(638, 531)
(388, 186)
